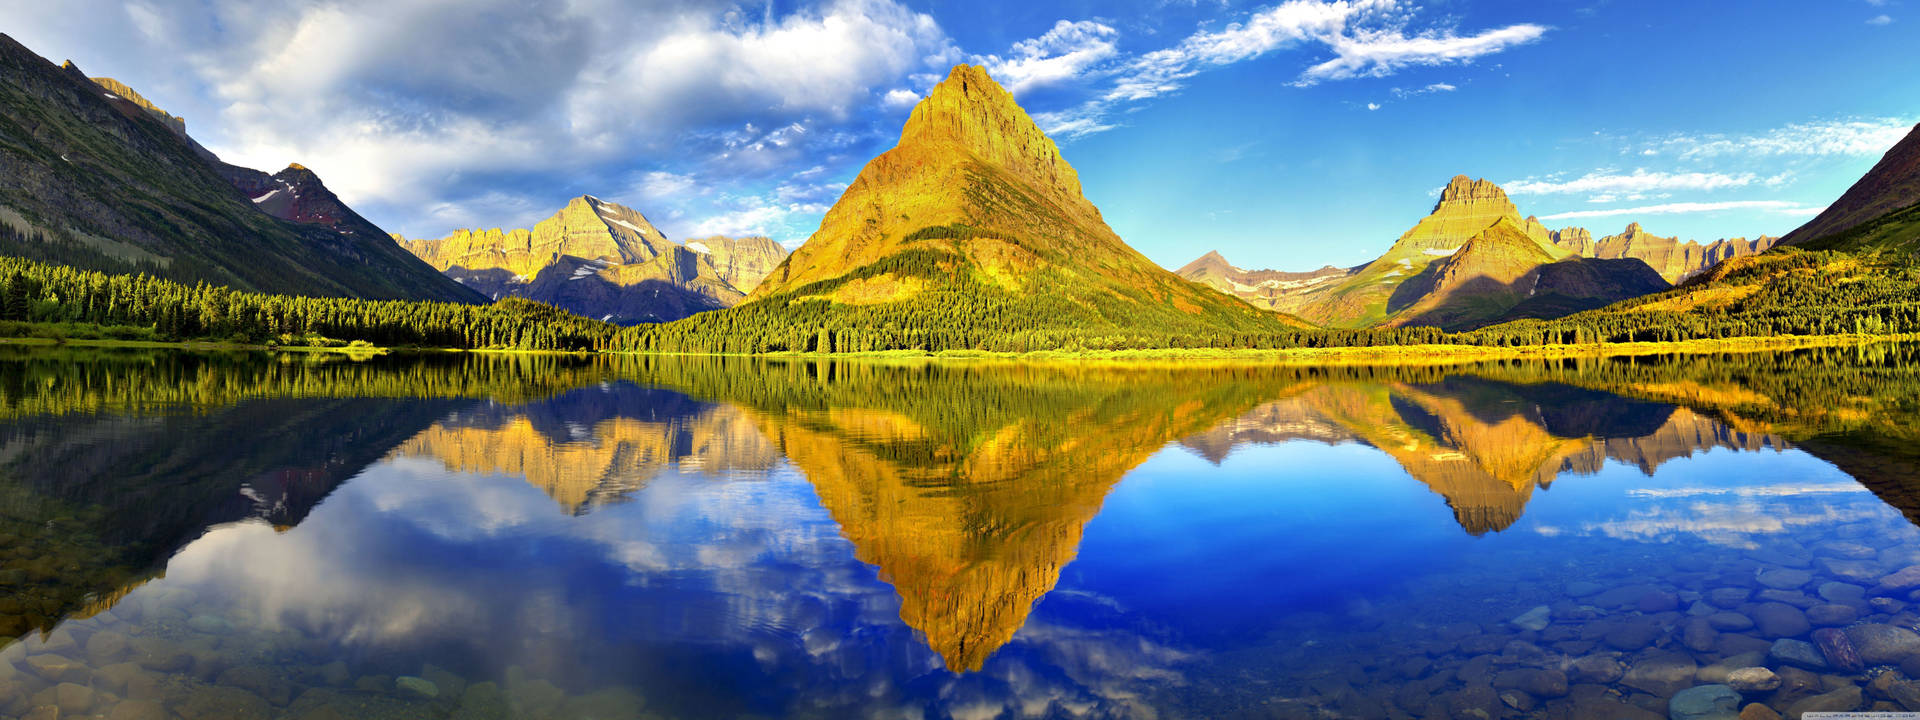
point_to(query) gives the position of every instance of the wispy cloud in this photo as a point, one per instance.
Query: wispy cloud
(1378, 53)
(1438, 87)
(1368, 38)
(1881, 20)
(1830, 137)
(1781, 207)
(1637, 182)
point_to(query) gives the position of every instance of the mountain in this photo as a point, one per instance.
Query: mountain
(603, 260)
(103, 179)
(972, 232)
(1470, 262)
(1380, 292)
(1502, 274)
(1880, 211)
(1674, 260)
(1266, 289)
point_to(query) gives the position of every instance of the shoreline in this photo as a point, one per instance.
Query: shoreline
(1357, 355)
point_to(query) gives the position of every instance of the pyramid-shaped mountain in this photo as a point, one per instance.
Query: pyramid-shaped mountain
(1471, 262)
(1880, 211)
(603, 260)
(95, 176)
(971, 232)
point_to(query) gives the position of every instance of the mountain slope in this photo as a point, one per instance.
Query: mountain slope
(1523, 271)
(92, 179)
(970, 233)
(1503, 271)
(1892, 185)
(1266, 289)
(603, 260)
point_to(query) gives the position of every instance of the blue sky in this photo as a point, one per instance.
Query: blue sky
(1286, 135)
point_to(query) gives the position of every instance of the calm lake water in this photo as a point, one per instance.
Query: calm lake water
(250, 536)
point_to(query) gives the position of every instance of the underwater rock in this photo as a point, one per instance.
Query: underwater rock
(1775, 619)
(1698, 635)
(417, 686)
(1729, 621)
(1756, 711)
(1535, 682)
(1728, 597)
(1661, 674)
(1899, 583)
(1843, 700)
(1837, 649)
(1783, 578)
(1753, 680)
(1880, 644)
(1797, 653)
(1596, 669)
(1705, 702)
(1536, 619)
(1832, 615)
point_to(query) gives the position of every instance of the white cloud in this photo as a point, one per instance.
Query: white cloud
(1881, 20)
(1063, 53)
(1638, 181)
(661, 184)
(1373, 106)
(1869, 137)
(406, 116)
(900, 98)
(1378, 53)
(1368, 38)
(1781, 207)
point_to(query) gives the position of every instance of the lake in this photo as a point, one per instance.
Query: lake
(478, 536)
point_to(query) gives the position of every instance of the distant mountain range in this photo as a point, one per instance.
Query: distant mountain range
(605, 261)
(96, 176)
(1472, 262)
(971, 232)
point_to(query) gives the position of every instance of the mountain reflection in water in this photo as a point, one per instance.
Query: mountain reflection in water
(729, 536)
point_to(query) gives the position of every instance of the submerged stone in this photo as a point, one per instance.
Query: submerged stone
(1880, 644)
(1536, 619)
(417, 686)
(1705, 702)
(1797, 653)
(1753, 680)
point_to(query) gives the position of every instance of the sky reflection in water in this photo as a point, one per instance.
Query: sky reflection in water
(1174, 547)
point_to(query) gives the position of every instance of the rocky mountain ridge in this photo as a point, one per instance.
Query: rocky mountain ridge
(1381, 292)
(603, 260)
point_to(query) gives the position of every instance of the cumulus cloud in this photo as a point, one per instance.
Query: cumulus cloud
(1780, 207)
(414, 122)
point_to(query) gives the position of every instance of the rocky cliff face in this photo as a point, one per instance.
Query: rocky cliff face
(1892, 185)
(119, 90)
(102, 179)
(1674, 260)
(603, 260)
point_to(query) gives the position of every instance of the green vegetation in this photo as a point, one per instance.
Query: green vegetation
(143, 307)
(1787, 292)
(1897, 231)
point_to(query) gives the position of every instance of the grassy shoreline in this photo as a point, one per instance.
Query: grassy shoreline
(1376, 355)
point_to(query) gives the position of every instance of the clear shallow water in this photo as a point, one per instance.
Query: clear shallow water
(236, 536)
